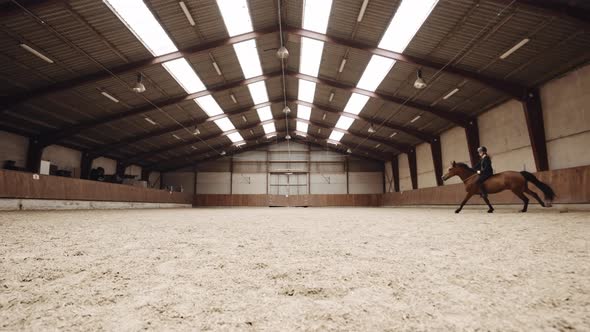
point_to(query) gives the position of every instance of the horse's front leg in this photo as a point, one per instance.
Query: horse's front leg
(467, 197)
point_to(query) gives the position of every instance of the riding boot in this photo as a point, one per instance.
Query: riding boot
(483, 191)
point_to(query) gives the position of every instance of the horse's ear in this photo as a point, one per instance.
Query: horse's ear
(453, 164)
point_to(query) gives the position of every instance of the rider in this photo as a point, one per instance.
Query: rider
(483, 168)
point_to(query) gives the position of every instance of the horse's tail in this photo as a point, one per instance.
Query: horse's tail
(549, 193)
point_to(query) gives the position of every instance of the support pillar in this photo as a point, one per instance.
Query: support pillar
(533, 112)
(395, 172)
(145, 174)
(120, 170)
(437, 160)
(34, 154)
(413, 167)
(86, 165)
(472, 135)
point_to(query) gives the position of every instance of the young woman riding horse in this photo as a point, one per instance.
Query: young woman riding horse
(517, 182)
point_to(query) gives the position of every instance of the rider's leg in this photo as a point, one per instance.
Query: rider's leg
(482, 189)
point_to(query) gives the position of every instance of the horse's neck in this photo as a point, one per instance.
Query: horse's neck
(465, 175)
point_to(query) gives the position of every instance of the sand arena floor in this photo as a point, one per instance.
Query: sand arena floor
(286, 269)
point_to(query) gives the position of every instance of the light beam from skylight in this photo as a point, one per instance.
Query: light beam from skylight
(142, 23)
(209, 105)
(302, 126)
(303, 112)
(311, 56)
(316, 14)
(264, 113)
(224, 124)
(355, 103)
(269, 128)
(306, 91)
(336, 135)
(406, 22)
(344, 122)
(235, 137)
(185, 75)
(236, 16)
(376, 70)
(258, 92)
(248, 57)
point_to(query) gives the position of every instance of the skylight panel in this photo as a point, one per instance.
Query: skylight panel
(303, 112)
(264, 113)
(224, 124)
(311, 56)
(302, 126)
(336, 136)
(344, 123)
(269, 128)
(316, 14)
(142, 23)
(248, 58)
(356, 103)
(306, 91)
(407, 20)
(375, 72)
(184, 75)
(235, 137)
(236, 16)
(258, 92)
(209, 105)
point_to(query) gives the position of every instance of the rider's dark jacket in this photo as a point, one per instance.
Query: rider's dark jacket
(484, 165)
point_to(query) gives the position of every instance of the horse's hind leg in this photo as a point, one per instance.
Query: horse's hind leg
(491, 210)
(535, 196)
(524, 199)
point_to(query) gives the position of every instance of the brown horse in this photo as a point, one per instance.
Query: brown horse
(513, 181)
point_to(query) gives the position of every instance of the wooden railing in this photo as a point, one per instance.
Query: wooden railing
(14, 184)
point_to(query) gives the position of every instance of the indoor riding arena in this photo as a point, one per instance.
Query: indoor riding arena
(295, 165)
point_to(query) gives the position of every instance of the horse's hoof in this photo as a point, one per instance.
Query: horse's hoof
(491, 211)
(457, 211)
(523, 211)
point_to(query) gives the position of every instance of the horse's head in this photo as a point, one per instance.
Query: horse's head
(456, 169)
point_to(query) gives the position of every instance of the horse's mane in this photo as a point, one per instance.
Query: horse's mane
(464, 165)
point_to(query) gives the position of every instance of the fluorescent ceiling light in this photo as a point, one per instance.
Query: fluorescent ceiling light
(193, 147)
(395, 133)
(150, 121)
(185, 75)
(236, 16)
(109, 96)
(269, 128)
(140, 20)
(375, 72)
(362, 11)
(175, 136)
(248, 57)
(188, 15)
(324, 116)
(342, 63)
(235, 137)
(455, 90)
(35, 52)
(356, 103)
(514, 48)
(224, 124)
(303, 112)
(311, 56)
(408, 19)
(344, 123)
(415, 119)
(264, 113)
(316, 14)
(377, 146)
(217, 68)
(258, 92)
(331, 96)
(233, 98)
(302, 126)
(336, 136)
(244, 118)
(209, 105)
(306, 91)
